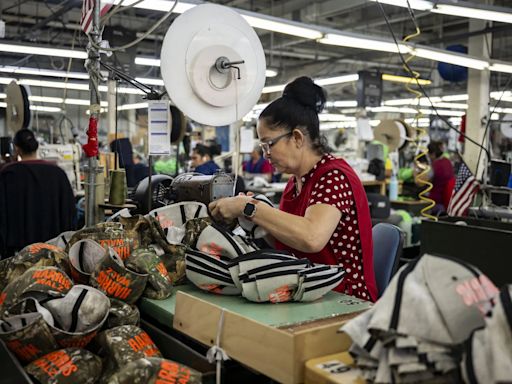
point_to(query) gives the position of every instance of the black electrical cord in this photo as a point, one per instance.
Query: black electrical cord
(406, 65)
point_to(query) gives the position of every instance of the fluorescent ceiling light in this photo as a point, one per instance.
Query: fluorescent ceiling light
(405, 79)
(500, 94)
(132, 106)
(498, 67)
(338, 124)
(35, 50)
(43, 72)
(420, 5)
(451, 105)
(159, 5)
(3, 95)
(341, 103)
(3, 105)
(337, 79)
(335, 117)
(68, 85)
(263, 22)
(451, 58)
(147, 61)
(461, 97)
(273, 88)
(54, 84)
(270, 73)
(41, 108)
(83, 102)
(363, 43)
(149, 81)
(46, 99)
(282, 27)
(503, 16)
(322, 82)
(384, 108)
(502, 110)
(442, 112)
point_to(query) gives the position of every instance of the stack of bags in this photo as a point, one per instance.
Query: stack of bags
(416, 331)
(262, 275)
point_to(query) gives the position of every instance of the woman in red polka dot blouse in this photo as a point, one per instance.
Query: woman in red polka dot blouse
(323, 213)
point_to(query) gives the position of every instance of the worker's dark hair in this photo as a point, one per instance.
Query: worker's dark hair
(298, 108)
(202, 150)
(25, 140)
(436, 148)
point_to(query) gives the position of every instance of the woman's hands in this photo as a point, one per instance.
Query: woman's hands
(229, 208)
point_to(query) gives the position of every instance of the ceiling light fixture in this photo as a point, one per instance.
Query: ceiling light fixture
(420, 5)
(337, 79)
(451, 58)
(322, 82)
(41, 108)
(44, 72)
(36, 50)
(405, 79)
(270, 73)
(147, 61)
(363, 43)
(473, 11)
(68, 85)
(341, 104)
(276, 25)
(500, 67)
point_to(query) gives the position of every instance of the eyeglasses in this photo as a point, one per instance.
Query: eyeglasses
(266, 145)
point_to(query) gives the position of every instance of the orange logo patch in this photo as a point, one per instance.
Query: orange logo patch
(212, 249)
(172, 373)
(114, 284)
(163, 271)
(25, 352)
(35, 248)
(143, 343)
(56, 363)
(280, 295)
(52, 278)
(118, 245)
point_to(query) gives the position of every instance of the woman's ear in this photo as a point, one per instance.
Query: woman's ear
(298, 137)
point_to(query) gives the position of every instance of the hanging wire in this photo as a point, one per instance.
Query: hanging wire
(138, 40)
(422, 151)
(421, 88)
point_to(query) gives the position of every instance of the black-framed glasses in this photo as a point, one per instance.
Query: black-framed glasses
(266, 145)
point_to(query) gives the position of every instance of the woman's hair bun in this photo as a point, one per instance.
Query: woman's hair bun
(304, 91)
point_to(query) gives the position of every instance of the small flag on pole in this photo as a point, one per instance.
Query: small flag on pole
(466, 186)
(88, 13)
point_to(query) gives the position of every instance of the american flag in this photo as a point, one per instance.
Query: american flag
(88, 13)
(466, 186)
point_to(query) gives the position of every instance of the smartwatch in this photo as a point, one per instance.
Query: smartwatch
(250, 209)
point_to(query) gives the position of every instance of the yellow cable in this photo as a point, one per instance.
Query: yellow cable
(422, 177)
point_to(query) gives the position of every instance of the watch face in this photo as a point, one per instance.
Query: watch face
(249, 209)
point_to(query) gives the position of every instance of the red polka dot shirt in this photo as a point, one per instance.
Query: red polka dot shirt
(334, 189)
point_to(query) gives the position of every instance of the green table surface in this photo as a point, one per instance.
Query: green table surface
(276, 315)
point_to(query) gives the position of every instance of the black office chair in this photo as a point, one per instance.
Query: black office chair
(388, 242)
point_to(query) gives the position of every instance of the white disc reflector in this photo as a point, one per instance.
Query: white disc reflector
(195, 42)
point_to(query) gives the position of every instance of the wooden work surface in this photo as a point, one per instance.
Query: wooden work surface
(274, 339)
(282, 315)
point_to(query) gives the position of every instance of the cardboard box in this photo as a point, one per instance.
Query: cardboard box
(279, 352)
(333, 369)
